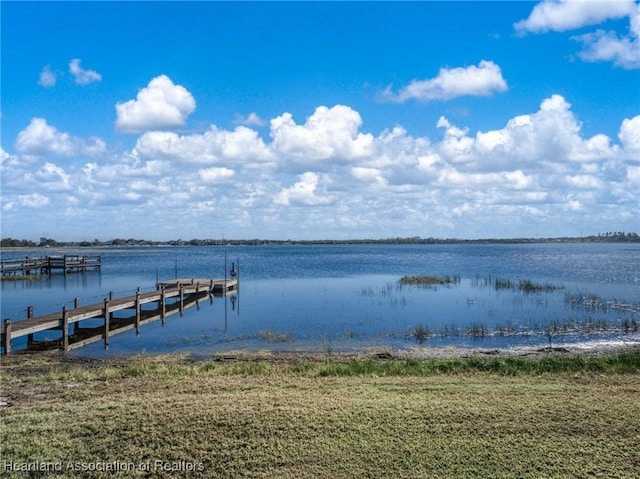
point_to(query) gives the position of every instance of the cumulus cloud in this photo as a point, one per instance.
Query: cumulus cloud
(51, 177)
(630, 136)
(482, 80)
(40, 138)
(215, 175)
(329, 133)
(565, 15)
(553, 132)
(623, 51)
(34, 200)
(303, 192)
(47, 77)
(161, 105)
(213, 146)
(526, 174)
(82, 76)
(600, 45)
(252, 119)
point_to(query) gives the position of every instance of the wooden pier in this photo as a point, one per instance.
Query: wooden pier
(48, 264)
(182, 293)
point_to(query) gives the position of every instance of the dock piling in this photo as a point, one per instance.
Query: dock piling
(181, 299)
(107, 315)
(7, 336)
(138, 312)
(65, 329)
(163, 304)
(29, 315)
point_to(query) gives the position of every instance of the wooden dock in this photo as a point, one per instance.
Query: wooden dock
(171, 297)
(48, 264)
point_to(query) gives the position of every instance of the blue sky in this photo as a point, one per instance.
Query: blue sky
(303, 120)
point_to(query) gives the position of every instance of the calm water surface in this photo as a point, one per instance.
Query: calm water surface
(320, 298)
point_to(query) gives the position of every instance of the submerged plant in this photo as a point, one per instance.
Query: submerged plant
(275, 337)
(421, 333)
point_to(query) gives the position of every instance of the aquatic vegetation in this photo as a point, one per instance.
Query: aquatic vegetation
(629, 325)
(593, 302)
(549, 329)
(275, 337)
(421, 333)
(526, 286)
(477, 330)
(428, 280)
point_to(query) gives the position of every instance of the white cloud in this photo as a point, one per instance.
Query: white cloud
(52, 177)
(240, 145)
(40, 138)
(82, 76)
(215, 175)
(252, 119)
(534, 172)
(33, 200)
(482, 80)
(548, 135)
(368, 175)
(608, 46)
(330, 133)
(47, 77)
(303, 192)
(565, 15)
(630, 137)
(4, 156)
(600, 45)
(161, 105)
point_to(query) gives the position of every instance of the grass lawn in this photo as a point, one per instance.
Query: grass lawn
(178, 417)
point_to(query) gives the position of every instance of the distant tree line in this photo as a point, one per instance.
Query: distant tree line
(608, 237)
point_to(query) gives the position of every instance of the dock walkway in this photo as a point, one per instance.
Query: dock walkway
(186, 291)
(48, 264)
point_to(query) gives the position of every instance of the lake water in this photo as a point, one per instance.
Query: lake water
(348, 297)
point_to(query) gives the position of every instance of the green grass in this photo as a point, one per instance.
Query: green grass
(462, 418)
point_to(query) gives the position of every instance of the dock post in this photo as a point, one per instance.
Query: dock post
(163, 304)
(138, 312)
(106, 323)
(29, 315)
(76, 305)
(181, 299)
(65, 329)
(7, 336)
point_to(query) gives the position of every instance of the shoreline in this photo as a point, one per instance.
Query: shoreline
(590, 349)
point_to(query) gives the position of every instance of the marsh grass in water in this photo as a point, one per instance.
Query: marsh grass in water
(593, 302)
(550, 329)
(275, 337)
(429, 280)
(526, 286)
